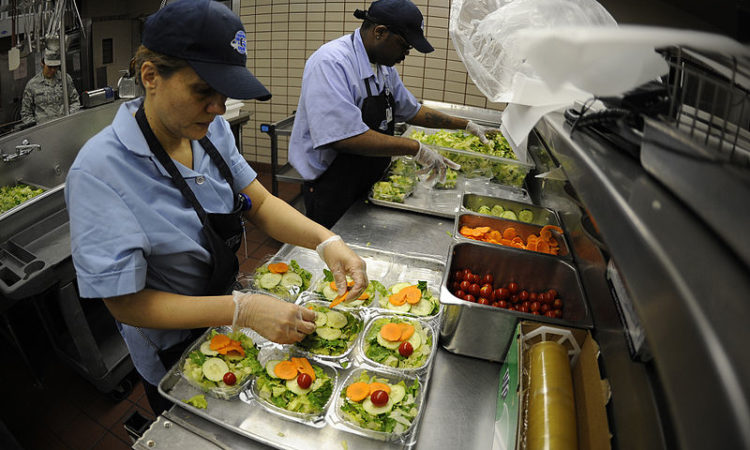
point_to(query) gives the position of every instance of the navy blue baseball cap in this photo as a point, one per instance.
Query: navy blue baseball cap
(211, 38)
(403, 17)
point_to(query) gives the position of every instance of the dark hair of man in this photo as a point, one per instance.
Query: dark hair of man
(367, 24)
(165, 65)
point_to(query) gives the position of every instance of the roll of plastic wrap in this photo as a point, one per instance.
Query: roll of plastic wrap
(551, 414)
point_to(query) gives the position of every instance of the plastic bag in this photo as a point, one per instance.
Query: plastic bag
(485, 35)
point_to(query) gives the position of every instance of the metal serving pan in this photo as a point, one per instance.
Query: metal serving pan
(542, 216)
(523, 230)
(484, 331)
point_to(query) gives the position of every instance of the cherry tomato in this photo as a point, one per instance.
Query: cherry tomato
(558, 313)
(557, 304)
(502, 294)
(405, 349)
(475, 278)
(534, 306)
(467, 275)
(483, 301)
(458, 275)
(513, 287)
(536, 313)
(455, 286)
(486, 291)
(552, 293)
(488, 279)
(464, 286)
(522, 308)
(526, 303)
(460, 294)
(495, 304)
(523, 295)
(470, 298)
(544, 308)
(304, 380)
(230, 379)
(379, 398)
(533, 296)
(474, 289)
(550, 313)
(502, 304)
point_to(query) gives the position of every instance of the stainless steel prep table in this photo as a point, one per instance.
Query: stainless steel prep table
(461, 402)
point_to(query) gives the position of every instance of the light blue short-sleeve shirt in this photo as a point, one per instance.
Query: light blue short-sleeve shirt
(131, 228)
(330, 103)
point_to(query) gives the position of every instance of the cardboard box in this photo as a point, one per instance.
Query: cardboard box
(590, 391)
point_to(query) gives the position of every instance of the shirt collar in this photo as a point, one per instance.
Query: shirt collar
(363, 61)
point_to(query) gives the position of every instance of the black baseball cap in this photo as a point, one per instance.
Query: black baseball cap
(211, 38)
(403, 17)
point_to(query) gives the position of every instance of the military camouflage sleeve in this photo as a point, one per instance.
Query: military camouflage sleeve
(27, 106)
(73, 100)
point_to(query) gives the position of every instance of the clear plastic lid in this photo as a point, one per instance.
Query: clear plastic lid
(412, 351)
(335, 336)
(285, 277)
(428, 305)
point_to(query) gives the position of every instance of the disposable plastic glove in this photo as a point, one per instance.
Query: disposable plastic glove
(433, 163)
(272, 318)
(480, 131)
(343, 261)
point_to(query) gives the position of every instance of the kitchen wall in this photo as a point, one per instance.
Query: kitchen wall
(282, 34)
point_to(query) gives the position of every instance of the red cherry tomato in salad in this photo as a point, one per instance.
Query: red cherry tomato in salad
(488, 279)
(513, 287)
(379, 398)
(405, 350)
(304, 380)
(486, 291)
(230, 379)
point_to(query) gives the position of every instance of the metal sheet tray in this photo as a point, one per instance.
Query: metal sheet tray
(247, 418)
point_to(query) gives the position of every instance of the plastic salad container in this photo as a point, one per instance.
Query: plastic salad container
(391, 341)
(398, 182)
(335, 335)
(413, 298)
(220, 362)
(285, 279)
(325, 288)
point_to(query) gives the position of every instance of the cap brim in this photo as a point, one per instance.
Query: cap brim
(230, 80)
(52, 63)
(417, 40)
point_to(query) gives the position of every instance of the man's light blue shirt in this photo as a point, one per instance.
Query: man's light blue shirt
(330, 103)
(131, 228)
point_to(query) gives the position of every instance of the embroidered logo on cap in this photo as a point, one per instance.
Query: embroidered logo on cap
(239, 42)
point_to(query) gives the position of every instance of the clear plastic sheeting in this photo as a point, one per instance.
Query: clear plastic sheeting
(485, 34)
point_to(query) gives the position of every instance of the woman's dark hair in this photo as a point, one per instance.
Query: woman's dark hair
(165, 65)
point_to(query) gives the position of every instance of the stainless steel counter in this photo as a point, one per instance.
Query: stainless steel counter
(462, 397)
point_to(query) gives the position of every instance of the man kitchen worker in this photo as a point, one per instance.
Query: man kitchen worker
(351, 98)
(43, 95)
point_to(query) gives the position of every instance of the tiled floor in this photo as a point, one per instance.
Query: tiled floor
(67, 411)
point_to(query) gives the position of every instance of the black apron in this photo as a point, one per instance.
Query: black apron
(351, 176)
(223, 231)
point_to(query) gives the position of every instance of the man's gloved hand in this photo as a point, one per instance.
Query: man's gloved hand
(272, 318)
(433, 163)
(343, 261)
(480, 131)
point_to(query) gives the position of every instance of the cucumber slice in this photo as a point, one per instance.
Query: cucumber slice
(403, 308)
(214, 369)
(270, 365)
(329, 293)
(269, 280)
(206, 349)
(290, 279)
(294, 387)
(423, 308)
(354, 303)
(388, 344)
(336, 319)
(234, 357)
(398, 393)
(398, 286)
(375, 410)
(525, 215)
(416, 340)
(328, 333)
(320, 319)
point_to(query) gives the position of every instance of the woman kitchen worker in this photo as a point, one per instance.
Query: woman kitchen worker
(156, 199)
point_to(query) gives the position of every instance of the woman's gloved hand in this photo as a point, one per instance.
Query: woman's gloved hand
(433, 163)
(343, 261)
(481, 132)
(272, 318)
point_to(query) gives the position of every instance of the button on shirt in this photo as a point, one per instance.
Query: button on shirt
(131, 228)
(329, 109)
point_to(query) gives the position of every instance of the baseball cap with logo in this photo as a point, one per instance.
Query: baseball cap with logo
(403, 17)
(51, 58)
(211, 38)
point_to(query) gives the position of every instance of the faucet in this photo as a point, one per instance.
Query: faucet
(21, 150)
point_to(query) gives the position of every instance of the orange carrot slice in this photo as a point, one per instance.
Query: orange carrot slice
(542, 246)
(391, 332)
(338, 299)
(380, 387)
(398, 299)
(364, 296)
(407, 330)
(358, 391)
(349, 284)
(278, 267)
(285, 370)
(412, 294)
(509, 233)
(332, 285)
(219, 341)
(304, 366)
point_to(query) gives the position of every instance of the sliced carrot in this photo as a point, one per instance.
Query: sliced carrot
(398, 299)
(412, 294)
(532, 245)
(509, 233)
(235, 347)
(391, 332)
(407, 330)
(358, 391)
(517, 240)
(349, 284)
(304, 366)
(219, 341)
(285, 370)
(505, 241)
(380, 387)
(338, 299)
(278, 267)
(364, 296)
(332, 285)
(542, 246)
(495, 235)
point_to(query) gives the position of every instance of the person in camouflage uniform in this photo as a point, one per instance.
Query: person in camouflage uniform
(43, 95)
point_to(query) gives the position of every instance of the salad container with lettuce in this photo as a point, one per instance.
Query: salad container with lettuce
(410, 298)
(283, 280)
(335, 331)
(221, 362)
(327, 290)
(398, 342)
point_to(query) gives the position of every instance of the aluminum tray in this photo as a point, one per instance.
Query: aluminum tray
(247, 418)
(542, 216)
